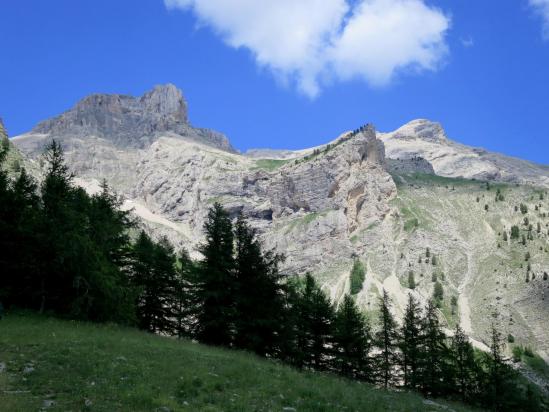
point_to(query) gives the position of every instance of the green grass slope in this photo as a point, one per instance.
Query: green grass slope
(55, 365)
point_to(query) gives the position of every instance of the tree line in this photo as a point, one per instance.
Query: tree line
(76, 255)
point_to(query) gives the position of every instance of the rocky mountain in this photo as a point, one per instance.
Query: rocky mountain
(451, 159)
(392, 200)
(124, 121)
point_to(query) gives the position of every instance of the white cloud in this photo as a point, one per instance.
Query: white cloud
(316, 41)
(542, 8)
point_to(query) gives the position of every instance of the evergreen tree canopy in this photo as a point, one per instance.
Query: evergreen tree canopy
(386, 340)
(215, 289)
(352, 341)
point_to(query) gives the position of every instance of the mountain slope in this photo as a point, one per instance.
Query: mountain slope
(60, 365)
(323, 207)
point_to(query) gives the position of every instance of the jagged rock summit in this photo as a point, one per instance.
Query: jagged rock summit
(125, 121)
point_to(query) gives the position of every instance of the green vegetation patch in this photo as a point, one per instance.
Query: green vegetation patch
(269, 164)
(85, 367)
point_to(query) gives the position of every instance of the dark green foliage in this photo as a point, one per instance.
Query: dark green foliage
(357, 276)
(352, 342)
(523, 209)
(438, 292)
(66, 252)
(454, 304)
(517, 353)
(515, 232)
(154, 277)
(501, 392)
(184, 300)
(465, 367)
(434, 260)
(435, 377)
(215, 287)
(411, 280)
(387, 340)
(258, 293)
(411, 345)
(315, 317)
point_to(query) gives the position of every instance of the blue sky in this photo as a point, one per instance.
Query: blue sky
(480, 68)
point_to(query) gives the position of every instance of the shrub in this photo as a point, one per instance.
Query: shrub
(517, 353)
(411, 280)
(357, 276)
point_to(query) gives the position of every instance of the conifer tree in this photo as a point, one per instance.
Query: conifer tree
(216, 281)
(464, 365)
(153, 275)
(315, 325)
(184, 301)
(411, 344)
(411, 280)
(352, 341)
(502, 393)
(435, 353)
(258, 293)
(386, 340)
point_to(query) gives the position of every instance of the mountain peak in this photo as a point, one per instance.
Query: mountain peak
(130, 121)
(421, 129)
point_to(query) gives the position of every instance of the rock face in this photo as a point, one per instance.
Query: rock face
(372, 196)
(428, 140)
(128, 122)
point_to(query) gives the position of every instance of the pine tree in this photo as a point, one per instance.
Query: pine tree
(435, 353)
(515, 233)
(411, 280)
(386, 340)
(64, 247)
(502, 393)
(258, 293)
(314, 326)
(351, 342)
(154, 276)
(184, 299)
(438, 293)
(411, 345)
(216, 281)
(464, 365)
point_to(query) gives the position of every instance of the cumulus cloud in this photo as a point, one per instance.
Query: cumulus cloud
(313, 42)
(542, 8)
